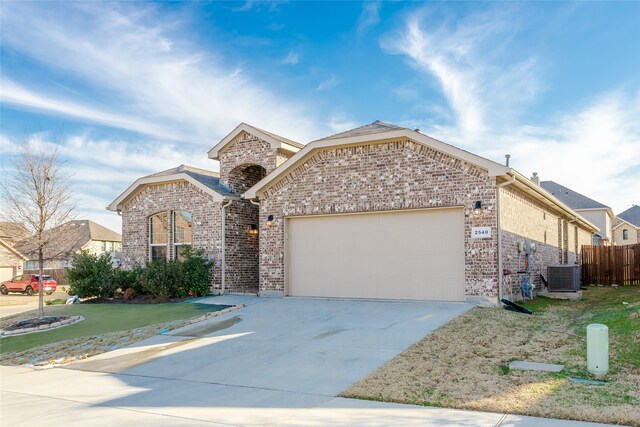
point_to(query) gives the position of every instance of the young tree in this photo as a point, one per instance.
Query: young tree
(37, 193)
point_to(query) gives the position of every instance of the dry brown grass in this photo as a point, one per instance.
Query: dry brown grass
(464, 365)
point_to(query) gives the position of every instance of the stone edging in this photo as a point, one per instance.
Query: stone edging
(216, 313)
(55, 325)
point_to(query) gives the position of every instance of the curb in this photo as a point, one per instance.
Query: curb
(42, 328)
(216, 313)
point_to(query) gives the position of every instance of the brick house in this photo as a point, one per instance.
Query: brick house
(626, 227)
(379, 211)
(11, 259)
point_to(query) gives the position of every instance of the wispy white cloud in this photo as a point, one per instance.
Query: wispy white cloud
(462, 58)
(292, 58)
(369, 17)
(101, 169)
(329, 83)
(153, 74)
(15, 94)
(584, 148)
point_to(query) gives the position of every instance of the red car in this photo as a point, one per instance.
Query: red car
(28, 284)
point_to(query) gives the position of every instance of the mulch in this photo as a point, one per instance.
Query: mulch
(35, 322)
(138, 299)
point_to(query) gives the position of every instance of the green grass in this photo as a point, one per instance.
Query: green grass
(102, 319)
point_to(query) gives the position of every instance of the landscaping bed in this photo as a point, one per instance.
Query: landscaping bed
(464, 364)
(106, 327)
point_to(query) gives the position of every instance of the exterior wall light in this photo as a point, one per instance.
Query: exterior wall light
(477, 209)
(270, 221)
(253, 230)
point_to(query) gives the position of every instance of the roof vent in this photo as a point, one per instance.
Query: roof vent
(535, 178)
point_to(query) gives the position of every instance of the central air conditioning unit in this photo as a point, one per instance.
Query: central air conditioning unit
(563, 278)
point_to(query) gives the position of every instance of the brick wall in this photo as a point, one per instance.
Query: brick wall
(633, 234)
(523, 218)
(174, 196)
(247, 150)
(241, 248)
(243, 163)
(381, 177)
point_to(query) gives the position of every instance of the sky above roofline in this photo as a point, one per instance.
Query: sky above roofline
(133, 88)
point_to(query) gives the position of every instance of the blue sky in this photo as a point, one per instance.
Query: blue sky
(132, 88)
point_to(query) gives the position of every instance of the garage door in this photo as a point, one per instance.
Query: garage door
(6, 273)
(399, 255)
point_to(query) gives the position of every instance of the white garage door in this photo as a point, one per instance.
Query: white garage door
(393, 255)
(6, 273)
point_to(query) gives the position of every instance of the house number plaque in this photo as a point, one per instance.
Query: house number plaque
(480, 232)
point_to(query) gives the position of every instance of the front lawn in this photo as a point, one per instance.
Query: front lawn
(464, 364)
(106, 327)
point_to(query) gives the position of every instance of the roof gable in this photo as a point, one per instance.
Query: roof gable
(13, 250)
(623, 222)
(631, 215)
(571, 198)
(276, 141)
(207, 181)
(376, 132)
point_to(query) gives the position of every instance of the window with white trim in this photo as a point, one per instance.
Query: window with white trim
(182, 232)
(158, 239)
(625, 234)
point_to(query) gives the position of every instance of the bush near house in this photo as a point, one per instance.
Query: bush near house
(190, 276)
(93, 276)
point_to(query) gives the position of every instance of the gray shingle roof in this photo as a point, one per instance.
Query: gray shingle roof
(374, 127)
(631, 215)
(208, 178)
(571, 198)
(68, 238)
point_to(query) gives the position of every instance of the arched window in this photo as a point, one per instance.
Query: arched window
(182, 232)
(158, 239)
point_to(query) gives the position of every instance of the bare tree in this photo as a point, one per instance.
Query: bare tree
(37, 193)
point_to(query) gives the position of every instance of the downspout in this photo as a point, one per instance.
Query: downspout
(500, 272)
(224, 245)
(253, 202)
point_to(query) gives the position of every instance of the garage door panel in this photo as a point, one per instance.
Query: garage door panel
(398, 255)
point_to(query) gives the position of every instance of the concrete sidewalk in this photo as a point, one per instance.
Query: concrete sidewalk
(62, 397)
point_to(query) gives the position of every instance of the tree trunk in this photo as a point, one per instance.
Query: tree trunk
(40, 287)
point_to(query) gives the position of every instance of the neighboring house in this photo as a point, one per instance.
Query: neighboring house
(626, 227)
(601, 215)
(380, 211)
(10, 258)
(68, 239)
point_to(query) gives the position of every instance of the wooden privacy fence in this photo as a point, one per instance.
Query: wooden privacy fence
(611, 265)
(56, 273)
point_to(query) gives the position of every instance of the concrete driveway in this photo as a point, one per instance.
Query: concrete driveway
(301, 345)
(274, 362)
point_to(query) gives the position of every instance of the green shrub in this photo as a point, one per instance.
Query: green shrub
(91, 276)
(177, 279)
(126, 279)
(162, 279)
(197, 272)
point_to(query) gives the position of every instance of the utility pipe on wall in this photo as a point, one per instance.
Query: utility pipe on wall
(500, 268)
(224, 232)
